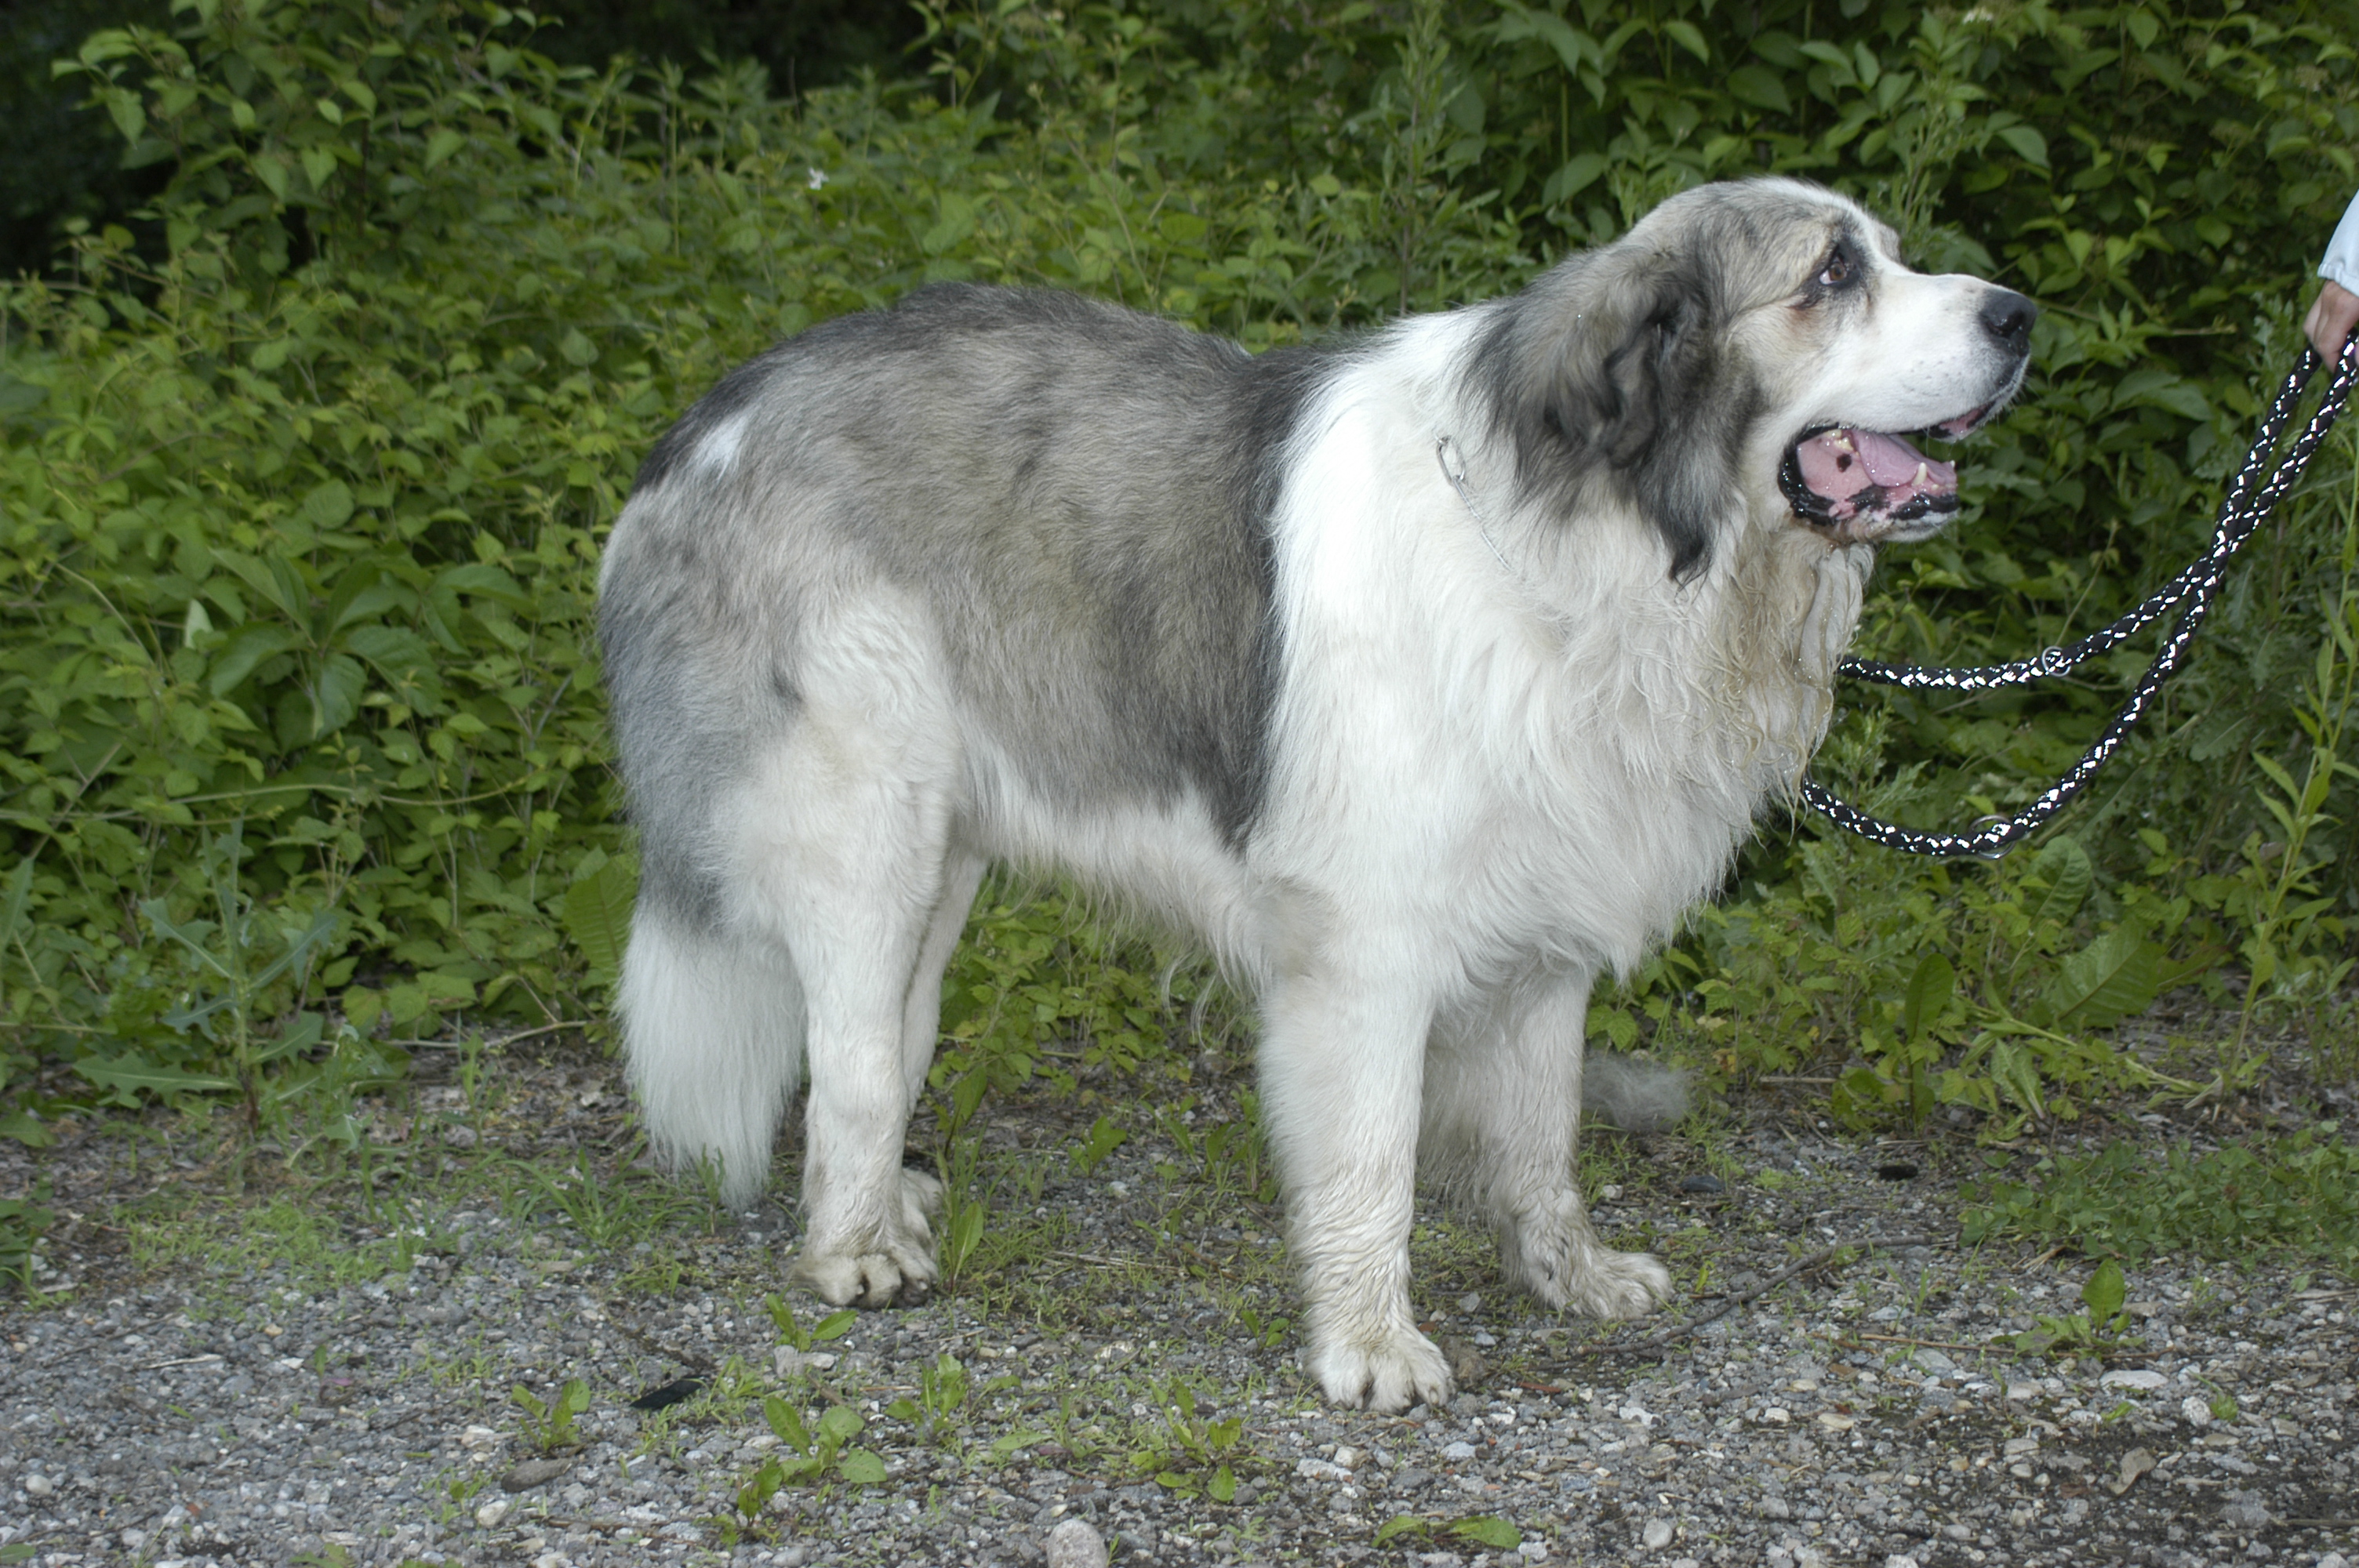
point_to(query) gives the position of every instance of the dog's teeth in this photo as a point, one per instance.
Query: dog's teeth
(1923, 473)
(1843, 441)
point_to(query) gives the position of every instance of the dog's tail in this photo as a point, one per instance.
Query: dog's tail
(1634, 1094)
(713, 1029)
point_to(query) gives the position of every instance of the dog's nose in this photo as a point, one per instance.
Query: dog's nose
(2008, 316)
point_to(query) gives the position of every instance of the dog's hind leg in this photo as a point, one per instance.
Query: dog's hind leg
(1502, 1115)
(922, 1015)
(1340, 1063)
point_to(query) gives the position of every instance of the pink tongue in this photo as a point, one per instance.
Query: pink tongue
(1839, 464)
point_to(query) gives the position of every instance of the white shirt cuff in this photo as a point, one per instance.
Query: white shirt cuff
(2341, 262)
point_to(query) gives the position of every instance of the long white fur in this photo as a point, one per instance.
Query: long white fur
(1489, 786)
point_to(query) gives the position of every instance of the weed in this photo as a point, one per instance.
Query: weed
(1104, 1139)
(2300, 1194)
(548, 1424)
(2094, 1328)
(1192, 1455)
(22, 1225)
(938, 1411)
(1480, 1528)
(794, 1335)
(813, 1453)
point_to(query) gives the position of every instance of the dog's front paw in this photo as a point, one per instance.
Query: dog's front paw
(865, 1279)
(1387, 1376)
(878, 1271)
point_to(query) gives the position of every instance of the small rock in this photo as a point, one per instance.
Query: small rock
(1776, 1507)
(1609, 1192)
(1408, 1478)
(1656, 1535)
(1533, 1550)
(1466, 1363)
(1349, 1457)
(787, 1361)
(458, 1135)
(1703, 1183)
(339, 1391)
(2023, 1390)
(533, 1472)
(1899, 1560)
(2142, 1379)
(1458, 1453)
(2197, 1410)
(1778, 1415)
(38, 1485)
(1470, 1301)
(2334, 1560)
(1074, 1543)
(1934, 1361)
(1311, 1469)
(1956, 1530)
(490, 1515)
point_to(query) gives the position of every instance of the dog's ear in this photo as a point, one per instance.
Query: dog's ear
(1611, 369)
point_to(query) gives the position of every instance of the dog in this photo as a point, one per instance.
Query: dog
(1424, 676)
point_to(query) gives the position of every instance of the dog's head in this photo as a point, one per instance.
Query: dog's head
(1750, 350)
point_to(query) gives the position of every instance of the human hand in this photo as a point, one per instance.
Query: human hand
(2331, 320)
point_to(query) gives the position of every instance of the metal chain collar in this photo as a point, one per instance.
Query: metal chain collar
(2196, 588)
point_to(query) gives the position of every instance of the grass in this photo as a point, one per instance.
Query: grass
(2129, 1200)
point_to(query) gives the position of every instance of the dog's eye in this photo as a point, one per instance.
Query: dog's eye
(1841, 269)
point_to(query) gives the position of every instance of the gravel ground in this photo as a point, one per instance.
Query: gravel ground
(225, 1364)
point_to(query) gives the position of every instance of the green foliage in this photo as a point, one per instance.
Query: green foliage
(304, 492)
(1189, 1453)
(834, 1325)
(1480, 1528)
(813, 1453)
(939, 1410)
(22, 1225)
(2300, 1194)
(2094, 1328)
(548, 1424)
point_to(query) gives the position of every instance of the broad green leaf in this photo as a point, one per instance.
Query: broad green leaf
(598, 914)
(1929, 989)
(861, 1468)
(132, 1071)
(2104, 1292)
(788, 1424)
(247, 647)
(2064, 867)
(2114, 978)
(1496, 1533)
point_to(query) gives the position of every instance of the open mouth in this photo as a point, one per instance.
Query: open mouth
(1870, 484)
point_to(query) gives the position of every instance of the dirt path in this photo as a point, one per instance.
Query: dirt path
(321, 1370)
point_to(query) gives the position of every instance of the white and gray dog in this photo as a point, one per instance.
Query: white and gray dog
(1424, 676)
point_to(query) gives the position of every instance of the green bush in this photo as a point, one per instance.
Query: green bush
(303, 512)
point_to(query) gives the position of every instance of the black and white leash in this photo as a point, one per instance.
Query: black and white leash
(2196, 588)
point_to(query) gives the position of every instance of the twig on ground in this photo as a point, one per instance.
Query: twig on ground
(1809, 1265)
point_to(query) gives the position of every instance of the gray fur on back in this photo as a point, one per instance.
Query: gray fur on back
(1080, 494)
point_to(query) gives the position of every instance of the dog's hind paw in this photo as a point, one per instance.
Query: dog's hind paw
(1612, 1285)
(1387, 1377)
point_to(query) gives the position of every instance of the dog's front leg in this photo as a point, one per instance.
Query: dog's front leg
(1343, 1059)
